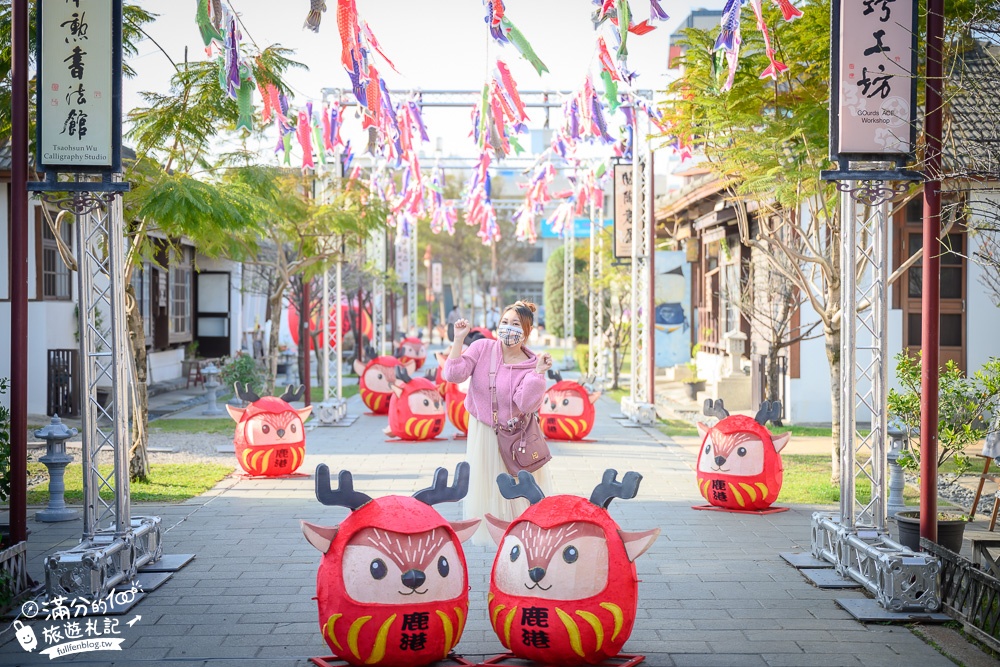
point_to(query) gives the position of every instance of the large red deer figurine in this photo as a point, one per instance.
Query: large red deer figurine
(393, 586)
(270, 439)
(567, 411)
(563, 590)
(739, 464)
(416, 409)
(376, 379)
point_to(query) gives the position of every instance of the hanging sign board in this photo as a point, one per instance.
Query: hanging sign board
(78, 95)
(403, 266)
(436, 281)
(623, 210)
(873, 87)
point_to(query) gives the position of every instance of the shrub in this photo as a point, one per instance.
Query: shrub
(581, 353)
(242, 369)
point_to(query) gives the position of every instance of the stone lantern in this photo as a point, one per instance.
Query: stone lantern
(56, 459)
(211, 373)
(898, 443)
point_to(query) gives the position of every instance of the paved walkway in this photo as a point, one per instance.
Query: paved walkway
(713, 591)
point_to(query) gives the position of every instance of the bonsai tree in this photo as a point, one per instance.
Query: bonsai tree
(965, 406)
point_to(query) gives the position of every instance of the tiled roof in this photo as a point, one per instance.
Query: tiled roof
(971, 142)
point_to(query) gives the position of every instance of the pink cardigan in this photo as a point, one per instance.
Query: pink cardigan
(519, 381)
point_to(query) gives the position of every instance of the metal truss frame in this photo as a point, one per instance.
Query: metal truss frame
(638, 406)
(114, 545)
(569, 291)
(856, 540)
(596, 361)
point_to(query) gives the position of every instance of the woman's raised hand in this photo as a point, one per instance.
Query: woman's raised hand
(544, 363)
(461, 330)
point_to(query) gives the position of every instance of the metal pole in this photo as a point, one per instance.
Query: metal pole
(650, 325)
(340, 323)
(848, 332)
(634, 299)
(931, 288)
(325, 328)
(568, 269)
(19, 273)
(306, 339)
(593, 298)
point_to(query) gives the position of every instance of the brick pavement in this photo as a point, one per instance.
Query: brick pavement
(713, 591)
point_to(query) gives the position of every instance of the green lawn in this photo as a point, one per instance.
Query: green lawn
(676, 427)
(348, 390)
(168, 482)
(807, 482)
(217, 426)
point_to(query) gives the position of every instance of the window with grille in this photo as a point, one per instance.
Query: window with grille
(56, 277)
(181, 292)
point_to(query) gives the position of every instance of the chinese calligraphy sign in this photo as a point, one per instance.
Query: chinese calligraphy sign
(79, 56)
(623, 192)
(874, 85)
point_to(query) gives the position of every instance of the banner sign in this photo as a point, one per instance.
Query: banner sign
(873, 86)
(78, 94)
(623, 187)
(672, 312)
(437, 284)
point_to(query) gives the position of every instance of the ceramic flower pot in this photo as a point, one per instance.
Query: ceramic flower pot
(950, 531)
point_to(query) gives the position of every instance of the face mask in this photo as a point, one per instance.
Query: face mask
(509, 334)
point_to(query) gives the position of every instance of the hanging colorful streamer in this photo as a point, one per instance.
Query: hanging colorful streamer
(730, 39)
(503, 30)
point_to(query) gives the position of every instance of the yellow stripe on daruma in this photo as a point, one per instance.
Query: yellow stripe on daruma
(752, 492)
(331, 630)
(506, 626)
(352, 634)
(619, 617)
(380, 640)
(448, 632)
(595, 623)
(736, 494)
(573, 630)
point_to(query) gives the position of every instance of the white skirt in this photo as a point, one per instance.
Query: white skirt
(483, 455)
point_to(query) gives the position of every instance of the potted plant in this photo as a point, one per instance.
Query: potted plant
(694, 384)
(242, 369)
(965, 403)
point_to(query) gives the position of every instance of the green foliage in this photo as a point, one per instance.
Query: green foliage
(221, 426)
(554, 295)
(965, 404)
(242, 369)
(807, 482)
(581, 354)
(4, 445)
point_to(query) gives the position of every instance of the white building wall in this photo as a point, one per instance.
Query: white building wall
(983, 309)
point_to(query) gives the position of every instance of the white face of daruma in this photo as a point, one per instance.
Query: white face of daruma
(567, 562)
(383, 567)
(740, 454)
(270, 429)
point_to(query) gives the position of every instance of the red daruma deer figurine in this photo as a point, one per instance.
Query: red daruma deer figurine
(393, 586)
(412, 349)
(416, 410)
(739, 465)
(270, 439)
(563, 590)
(376, 380)
(567, 411)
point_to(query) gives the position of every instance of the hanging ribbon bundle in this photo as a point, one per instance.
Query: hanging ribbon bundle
(729, 40)
(220, 34)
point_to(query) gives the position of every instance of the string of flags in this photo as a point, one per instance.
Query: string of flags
(601, 115)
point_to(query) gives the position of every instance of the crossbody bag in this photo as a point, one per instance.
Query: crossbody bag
(522, 445)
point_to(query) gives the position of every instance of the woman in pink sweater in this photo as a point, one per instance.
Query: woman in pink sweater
(520, 382)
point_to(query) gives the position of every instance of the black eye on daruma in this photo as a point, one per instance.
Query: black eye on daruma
(570, 554)
(293, 428)
(265, 428)
(378, 569)
(708, 448)
(426, 402)
(742, 451)
(565, 401)
(515, 553)
(443, 567)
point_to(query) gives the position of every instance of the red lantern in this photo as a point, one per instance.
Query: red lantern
(567, 411)
(563, 589)
(345, 313)
(412, 349)
(739, 464)
(375, 381)
(393, 586)
(270, 439)
(416, 409)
